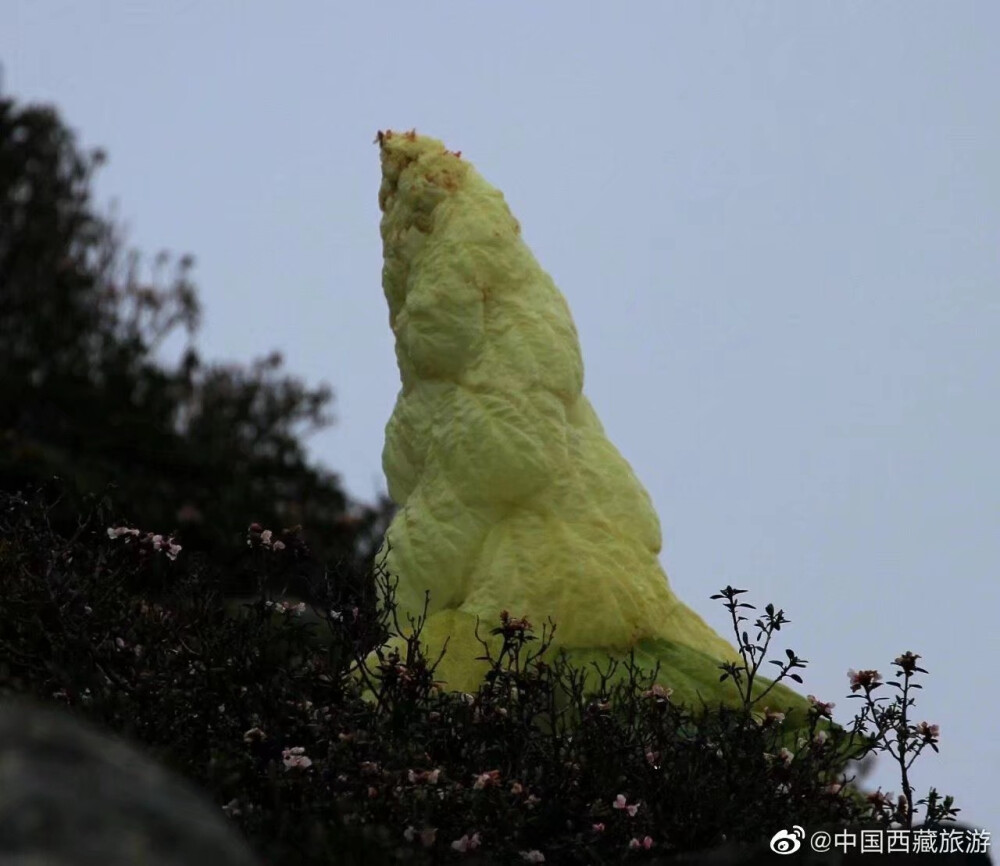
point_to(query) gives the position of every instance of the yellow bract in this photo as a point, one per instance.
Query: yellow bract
(511, 496)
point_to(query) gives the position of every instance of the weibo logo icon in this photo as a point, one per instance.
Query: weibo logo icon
(788, 842)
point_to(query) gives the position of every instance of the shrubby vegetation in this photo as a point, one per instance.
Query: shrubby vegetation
(194, 446)
(271, 722)
(174, 485)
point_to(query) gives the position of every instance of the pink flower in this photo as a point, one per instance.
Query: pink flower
(254, 735)
(424, 776)
(658, 693)
(509, 625)
(484, 780)
(158, 542)
(866, 680)
(769, 717)
(929, 733)
(295, 757)
(598, 828)
(264, 536)
(785, 755)
(822, 708)
(287, 607)
(167, 545)
(620, 803)
(908, 662)
(646, 843)
(466, 843)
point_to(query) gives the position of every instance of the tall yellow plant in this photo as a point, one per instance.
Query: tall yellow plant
(511, 495)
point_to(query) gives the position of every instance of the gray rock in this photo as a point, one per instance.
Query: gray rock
(71, 795)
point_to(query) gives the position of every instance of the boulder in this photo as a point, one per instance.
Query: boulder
(72, 795)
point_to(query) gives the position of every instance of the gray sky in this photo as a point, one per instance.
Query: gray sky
(776, 226)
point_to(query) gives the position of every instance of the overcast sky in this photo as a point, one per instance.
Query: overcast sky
(776, 225)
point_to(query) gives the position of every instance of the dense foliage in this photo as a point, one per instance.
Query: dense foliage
(196, 447)
(273, 723)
